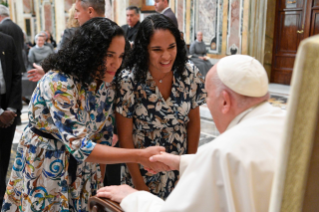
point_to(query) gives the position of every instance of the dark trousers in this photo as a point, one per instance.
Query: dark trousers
(112, 173)
(6, 138)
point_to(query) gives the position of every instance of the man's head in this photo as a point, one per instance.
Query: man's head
(160, 5)
(132, 15)
(235, 84)
(87, 9)
(4, 12)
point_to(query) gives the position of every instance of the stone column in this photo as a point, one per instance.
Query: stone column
(19, 13)
(38, 16)
(59, 19)
(120, 11)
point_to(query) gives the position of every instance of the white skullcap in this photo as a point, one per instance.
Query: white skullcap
(243, 75)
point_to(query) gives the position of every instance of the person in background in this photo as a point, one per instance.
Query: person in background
(133, 23)
(35, 57)
(162, 6)
(39, 52)
(198, 51)
(158, 102)
(234, 172)
(10, 102)
(84, 11)
(50, 39)
(69, 136)
(7, 26)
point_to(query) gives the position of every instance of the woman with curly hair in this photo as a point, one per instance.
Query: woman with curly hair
(70, 125)
(158, 101)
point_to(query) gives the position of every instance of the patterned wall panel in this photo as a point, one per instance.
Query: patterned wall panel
(235, 26)
(208, 20)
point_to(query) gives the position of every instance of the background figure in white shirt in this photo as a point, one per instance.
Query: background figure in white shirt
(235, 171)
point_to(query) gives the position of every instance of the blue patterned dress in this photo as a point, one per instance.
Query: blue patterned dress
(159, 122)
(78, 117)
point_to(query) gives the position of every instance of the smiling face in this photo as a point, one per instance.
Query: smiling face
(162, 51)
(114, 57)
(40, 41)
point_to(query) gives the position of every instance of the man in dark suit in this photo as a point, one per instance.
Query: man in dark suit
(133, 23)
(84, 11)
(10, 102)
(161, 6)
(7, 26)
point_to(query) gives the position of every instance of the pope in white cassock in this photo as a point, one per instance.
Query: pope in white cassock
(235, 171)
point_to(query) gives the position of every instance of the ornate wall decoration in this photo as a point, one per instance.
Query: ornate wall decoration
(209, 20)
(235, 26)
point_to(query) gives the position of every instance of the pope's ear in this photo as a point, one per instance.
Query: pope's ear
(226, 102)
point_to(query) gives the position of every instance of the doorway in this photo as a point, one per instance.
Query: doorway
(295, 20)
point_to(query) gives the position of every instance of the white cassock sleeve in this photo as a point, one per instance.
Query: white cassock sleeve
(220, 177)
(145, 201)
(142, 201)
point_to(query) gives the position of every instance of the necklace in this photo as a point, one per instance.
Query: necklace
(161, 80)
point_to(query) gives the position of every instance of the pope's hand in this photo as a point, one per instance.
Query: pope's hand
(115, 193)
(155, 166)
(171, 160)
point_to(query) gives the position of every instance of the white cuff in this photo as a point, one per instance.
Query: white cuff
(142, 201)
(184, 161)
(12, 109)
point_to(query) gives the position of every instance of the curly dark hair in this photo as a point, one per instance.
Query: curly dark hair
(84, 56)
(139, 56)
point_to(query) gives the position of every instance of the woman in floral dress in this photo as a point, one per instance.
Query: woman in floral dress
(158, 102)
(69, 115)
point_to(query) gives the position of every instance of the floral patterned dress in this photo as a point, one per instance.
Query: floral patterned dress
(78, 117)
(159, 122)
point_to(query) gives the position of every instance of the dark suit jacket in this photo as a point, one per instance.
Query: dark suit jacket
(67, 36)
(11, 71)
(10, 28)
(130, 34)
(169, 13)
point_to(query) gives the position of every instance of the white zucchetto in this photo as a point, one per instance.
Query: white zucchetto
(244, 75)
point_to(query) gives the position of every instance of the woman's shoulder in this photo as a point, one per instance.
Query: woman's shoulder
(190, 69)
(59, 76)
(126, 75)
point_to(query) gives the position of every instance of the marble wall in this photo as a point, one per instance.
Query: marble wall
(228, 26)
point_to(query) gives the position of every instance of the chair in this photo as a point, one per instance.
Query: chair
(97, 204)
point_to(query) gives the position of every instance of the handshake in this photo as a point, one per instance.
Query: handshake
(7, 118)
(155, 159)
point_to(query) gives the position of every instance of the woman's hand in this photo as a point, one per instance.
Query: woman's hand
(36, 74)
(114, 139)
(155, 166)
(115, 193)
(171, 160)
